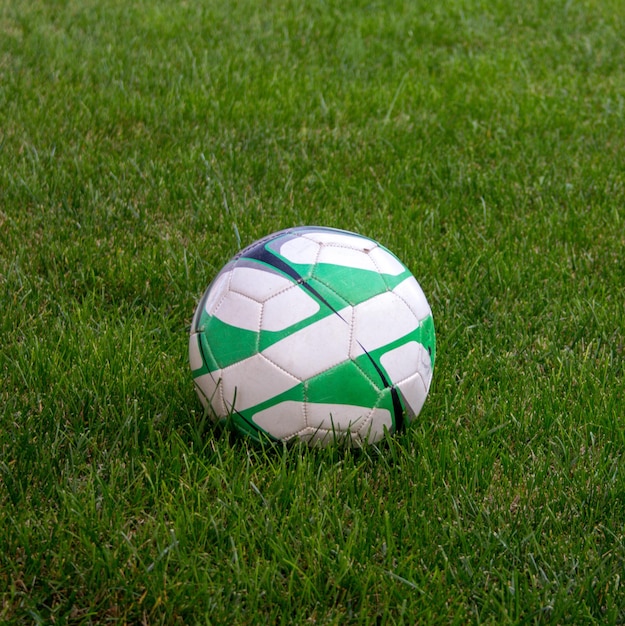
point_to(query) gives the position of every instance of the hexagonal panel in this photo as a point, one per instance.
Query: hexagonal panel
(380, 421)
(283, 420)
(405, 361)
(385, 262)
(209, 391)
(380, 321)
(258, 282)
(335, 417)
(238, 310)
(344, 384)
(345, 239)
(411, 293)
(226, 344)
(346, 257)
(216, 291)
(297, 249)
(314, 348)
(414, 392)
(195, 356)
(253, 381)
(354, 285)
(287, 308)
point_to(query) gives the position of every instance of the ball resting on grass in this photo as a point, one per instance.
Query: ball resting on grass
(313, 334)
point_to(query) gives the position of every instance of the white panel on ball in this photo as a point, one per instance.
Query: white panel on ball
(401, 362)
(315, 348)
(336, 417)
(240, 311)
(287, 308)
(258, 284)
(218, 289)
(253, 381)
(342, 239)
(300, 250)
(381, 420)
(379, 321)
(346, 257)
(282, 420)
(210, 393)
(414, 392)
(195, 356)
(411, 293)
(386, 263)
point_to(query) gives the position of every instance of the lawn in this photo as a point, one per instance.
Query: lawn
(144, 142)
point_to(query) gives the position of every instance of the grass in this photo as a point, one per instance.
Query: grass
(142, 143)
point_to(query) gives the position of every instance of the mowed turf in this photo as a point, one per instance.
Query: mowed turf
(142, 143)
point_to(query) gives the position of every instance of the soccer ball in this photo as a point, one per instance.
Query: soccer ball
(313, 334)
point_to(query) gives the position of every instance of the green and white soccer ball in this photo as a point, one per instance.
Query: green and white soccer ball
(313, 334)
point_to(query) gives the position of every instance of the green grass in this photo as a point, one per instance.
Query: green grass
(142, 143)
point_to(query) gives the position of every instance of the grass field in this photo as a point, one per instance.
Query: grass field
(143, 142)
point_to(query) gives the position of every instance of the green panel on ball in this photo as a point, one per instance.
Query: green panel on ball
(228, 344)
(428, 337)
(354, 285)
(327, 297)
(343, 384)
